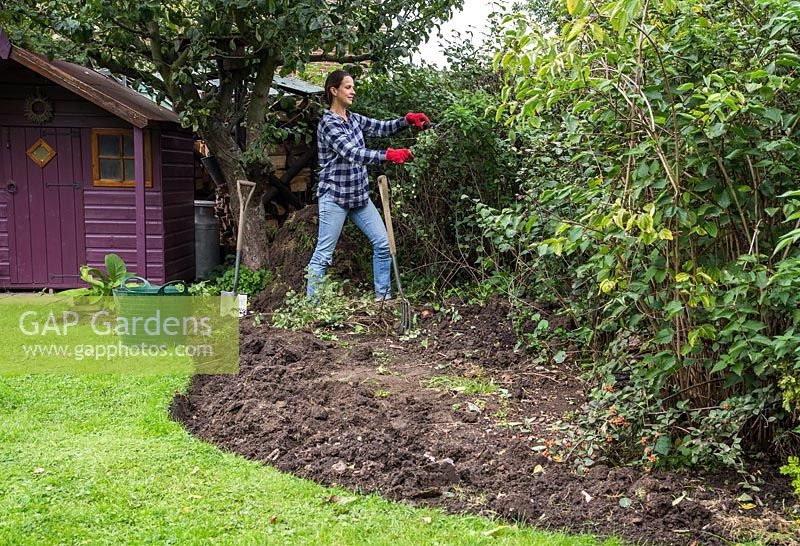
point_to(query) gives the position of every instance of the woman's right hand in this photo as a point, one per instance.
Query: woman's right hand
(400, 155)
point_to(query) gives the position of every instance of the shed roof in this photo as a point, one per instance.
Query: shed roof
(297, 86)
(105, 92)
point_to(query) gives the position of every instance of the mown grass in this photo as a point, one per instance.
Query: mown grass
(96, 460)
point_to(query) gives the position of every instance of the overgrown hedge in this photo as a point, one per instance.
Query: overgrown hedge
(638, 170)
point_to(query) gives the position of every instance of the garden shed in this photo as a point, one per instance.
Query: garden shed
(88, 167)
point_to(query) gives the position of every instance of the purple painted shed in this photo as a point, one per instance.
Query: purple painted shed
(88, 167)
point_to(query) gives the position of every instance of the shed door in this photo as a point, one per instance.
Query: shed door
(43, 179)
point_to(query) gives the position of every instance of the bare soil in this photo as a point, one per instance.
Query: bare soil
(372, 413)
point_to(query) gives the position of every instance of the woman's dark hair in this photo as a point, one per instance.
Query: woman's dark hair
(334, 79)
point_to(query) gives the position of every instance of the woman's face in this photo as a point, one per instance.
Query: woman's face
(345, 92)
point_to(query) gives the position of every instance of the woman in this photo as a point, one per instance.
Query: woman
(343, 185)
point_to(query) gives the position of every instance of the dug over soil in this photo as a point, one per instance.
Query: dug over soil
(449, 417)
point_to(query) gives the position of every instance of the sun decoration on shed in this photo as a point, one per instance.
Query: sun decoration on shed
(38, 108)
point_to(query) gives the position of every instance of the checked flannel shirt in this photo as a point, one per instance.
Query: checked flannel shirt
(343, 156)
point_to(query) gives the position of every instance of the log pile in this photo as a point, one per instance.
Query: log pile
(292, 163)
(290, 187)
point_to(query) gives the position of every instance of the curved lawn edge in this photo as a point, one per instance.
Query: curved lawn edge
(97, 459)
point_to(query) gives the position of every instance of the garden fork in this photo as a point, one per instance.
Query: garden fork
(405, 306)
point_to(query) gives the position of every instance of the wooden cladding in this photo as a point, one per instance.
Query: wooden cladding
(113, 161)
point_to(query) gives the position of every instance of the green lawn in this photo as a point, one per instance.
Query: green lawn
(96, 460)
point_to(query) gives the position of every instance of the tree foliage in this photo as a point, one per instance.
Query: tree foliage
(215, 60)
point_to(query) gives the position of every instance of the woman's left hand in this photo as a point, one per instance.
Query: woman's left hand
(417, 119)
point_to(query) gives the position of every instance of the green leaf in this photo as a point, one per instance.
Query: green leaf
(115, 268)
(788, 239)
(673, 308)
(580, 106)
(94, 276)
(572, 6)
(705, 185)
(607, 286)
(719, 366)
(753, 325)
(663, 445)
(724, 200)
(664, 336)
(577, 28)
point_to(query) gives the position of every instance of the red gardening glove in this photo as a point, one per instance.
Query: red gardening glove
(400, 155)
(417, 119)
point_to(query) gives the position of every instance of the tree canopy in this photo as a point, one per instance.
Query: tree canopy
(215, 60)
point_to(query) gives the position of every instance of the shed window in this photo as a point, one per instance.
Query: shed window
(113, 161)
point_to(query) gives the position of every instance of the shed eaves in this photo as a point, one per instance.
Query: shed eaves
(103, 91)
(297, 86)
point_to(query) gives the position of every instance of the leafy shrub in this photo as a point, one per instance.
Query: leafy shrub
(793, 470)
(250, 282)
(466, 154)
(658, 204)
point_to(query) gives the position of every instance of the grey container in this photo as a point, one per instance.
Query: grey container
(206, 239)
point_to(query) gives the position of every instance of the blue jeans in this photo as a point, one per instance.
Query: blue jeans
(331, 221)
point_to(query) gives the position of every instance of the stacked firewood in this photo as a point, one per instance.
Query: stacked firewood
(284, 157)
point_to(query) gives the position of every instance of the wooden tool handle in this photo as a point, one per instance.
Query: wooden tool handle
(251, 187)
(383, 188)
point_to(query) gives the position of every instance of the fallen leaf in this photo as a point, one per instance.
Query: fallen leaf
(677, 501)
(340, 500)
(427, 520)
(185, 509)
(273, 519)
(492, 532)
(538, 468)
(748, 506)
(586, 496)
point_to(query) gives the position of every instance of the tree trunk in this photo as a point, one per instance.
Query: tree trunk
(254, 231)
